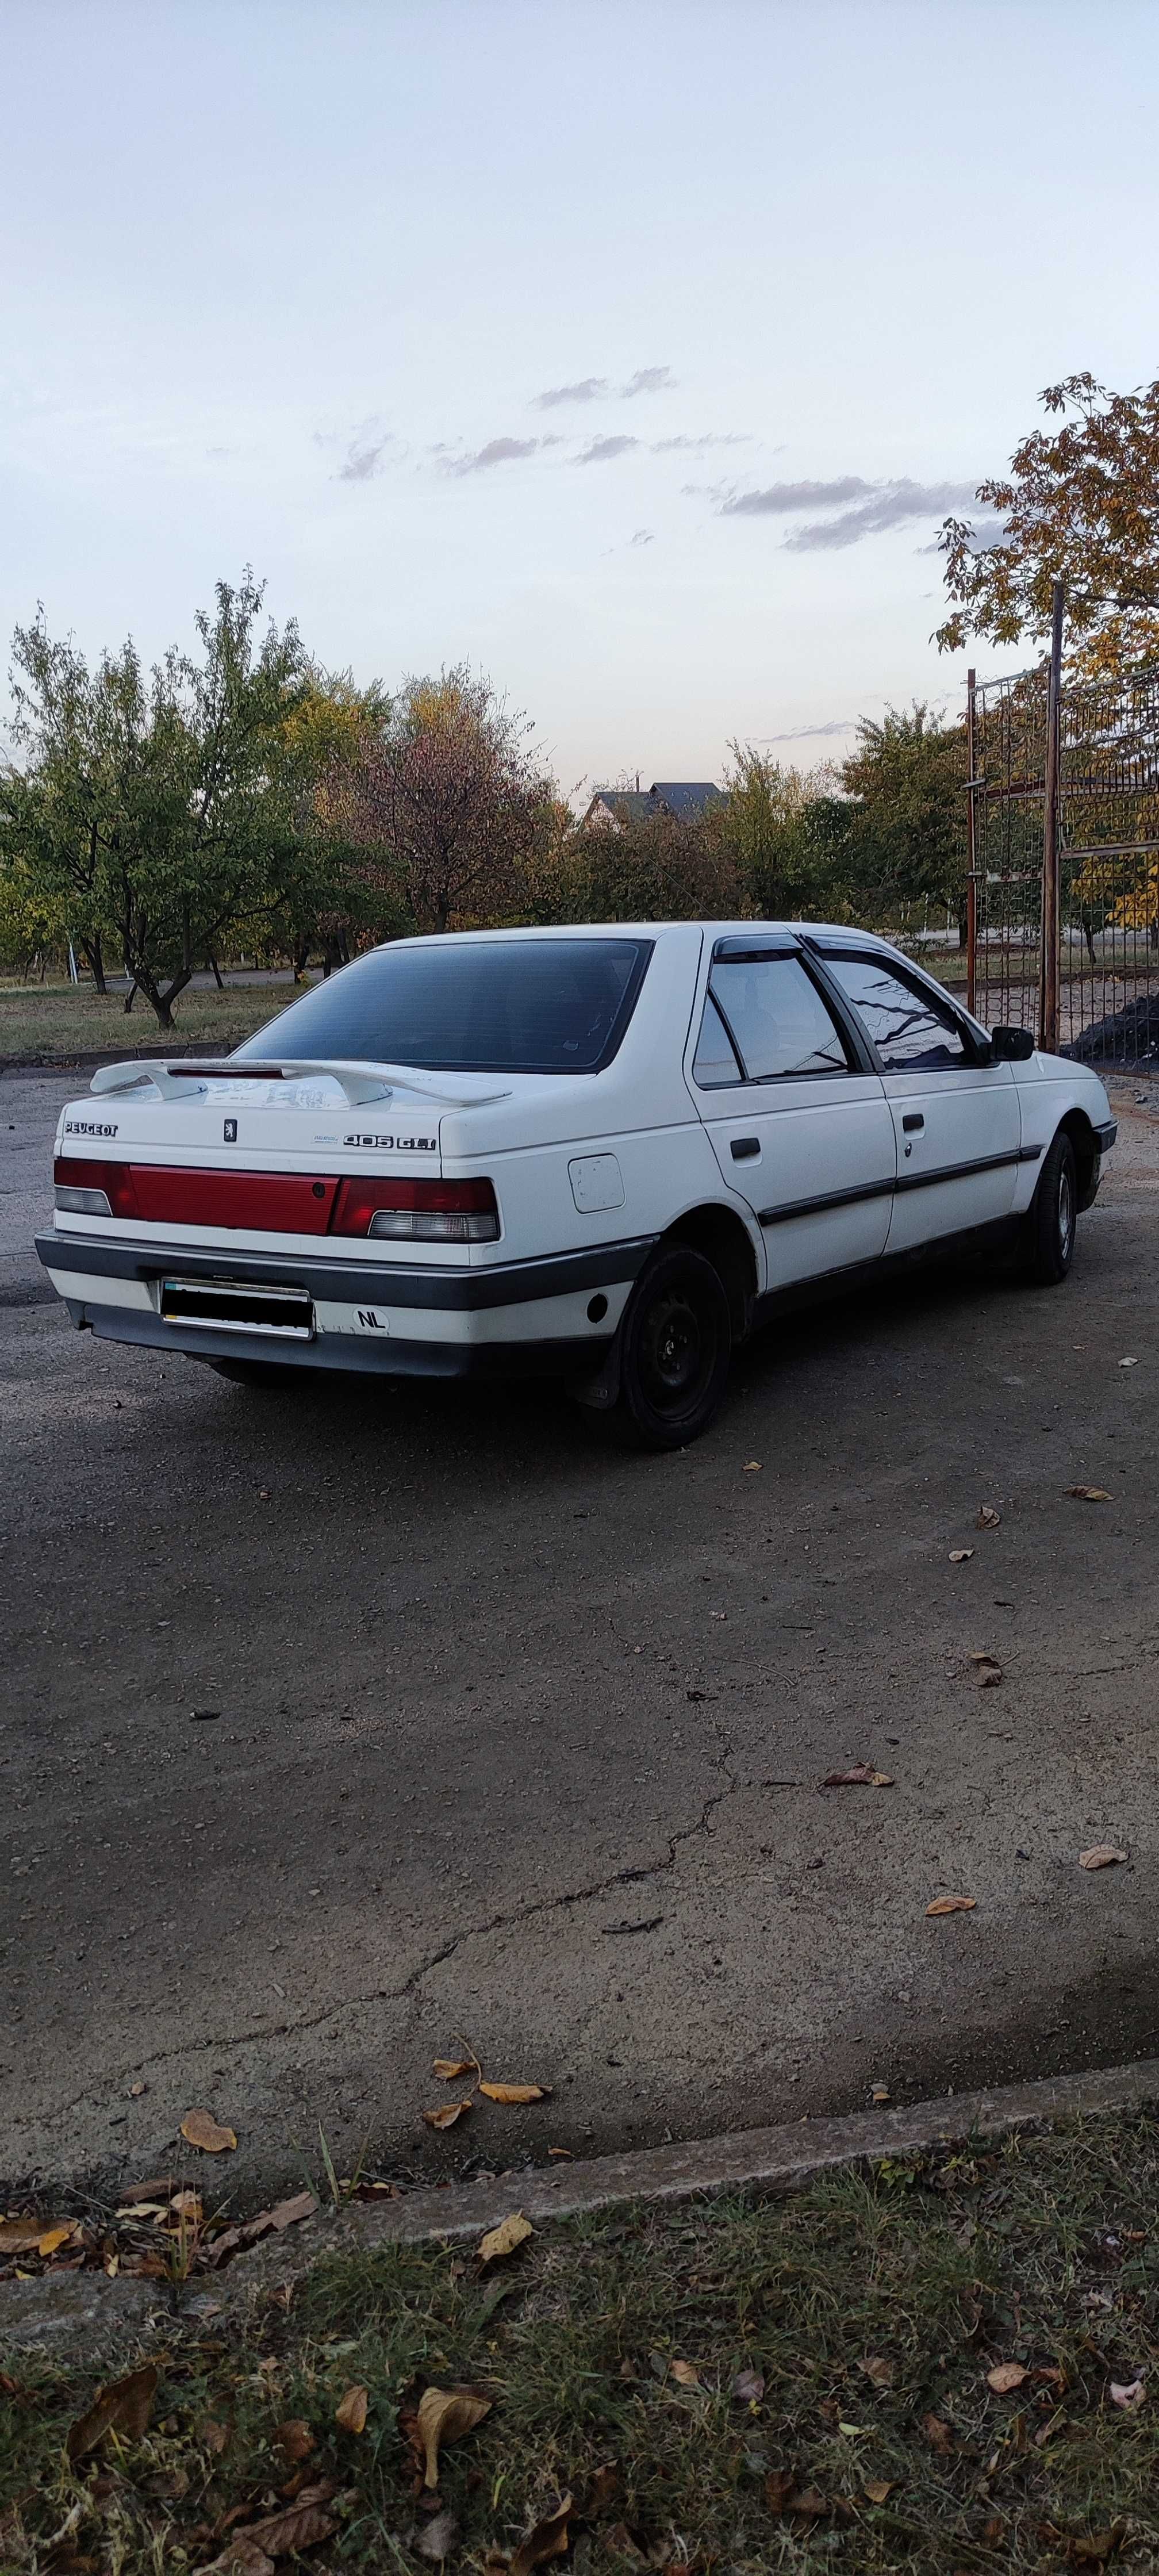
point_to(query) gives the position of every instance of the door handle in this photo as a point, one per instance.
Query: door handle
(743, 1148)
(913, 1123)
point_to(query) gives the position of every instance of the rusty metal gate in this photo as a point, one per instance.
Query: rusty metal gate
(1063, 859)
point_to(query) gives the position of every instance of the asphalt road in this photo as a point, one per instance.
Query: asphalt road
(520, 1740)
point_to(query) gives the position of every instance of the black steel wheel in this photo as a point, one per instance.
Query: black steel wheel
(1053, 1215)
(676, 1346)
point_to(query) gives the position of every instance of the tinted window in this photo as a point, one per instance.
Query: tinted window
(714, 1062)
(777, 1018)
(912, 1032)
(495, 1006)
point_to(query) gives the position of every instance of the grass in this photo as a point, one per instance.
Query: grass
(52, 1024)
(1043, 2252)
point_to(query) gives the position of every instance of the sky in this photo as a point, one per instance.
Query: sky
(631, 351)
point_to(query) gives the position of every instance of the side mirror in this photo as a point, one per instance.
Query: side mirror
(1011, 1046)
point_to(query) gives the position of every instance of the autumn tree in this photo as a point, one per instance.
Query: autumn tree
(331, 901)
(904, 829)
(657, 869)
(1080, 504)
(448, 802)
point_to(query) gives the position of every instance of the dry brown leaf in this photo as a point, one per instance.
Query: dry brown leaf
(779, 2486)
(443, 2416)
(503, 2239)
(351, 2410)
(988, 1517)
(1102, 1856)
(215, 2438)
(686, 2373)
(876, 2490)
(1005, 2376)
(1128, 2394)
(241, 2557)
(438, 2538)
(294, 2438)
(960, 1556)
(124, 2407)
(952, 1905)
(449, 2069)
(603, 2488)
(1096, 2547)
(200, 2129)
(301, 2526)
(550, 2539)
(187, 2205)
(510, 2093)
(937, 2434)
(808, 2501)
(20, 2235)
(445, 2114)
(987, 1671)
(752, 1466)
(862, 1776)
(54, 2237)
(1088, 1494)
(287, 2213)
(748, 2387)
(878, 2370)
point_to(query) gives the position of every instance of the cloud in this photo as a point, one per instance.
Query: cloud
(588, 389)
(363, 460)
(696, 446)
(647, 380)
(644, 537)
(810, 733)
(603, 449)
(500, 451)
(783, 498)
(892, 505)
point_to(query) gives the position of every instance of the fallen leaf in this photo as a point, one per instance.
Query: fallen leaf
(439, 2537)
(686, 2374)
(449, 2069)
(287, 2213)
(20, 2235)
(1101, 1856)
(952, 1905)
(350, 2412)
(1096, 2547)
(876, 2490)
(961, 1556)
(988, 1517)
(1129, 2394)
(241, 2557)
(938, 2434)
(200, 2129)
(878, 2370)
(879, 2093)
(503, 2239)
(124, 2407)
(752, 1466)
(1088, 1494)
(1005, 2376)
(215, 2437)
(445, 2115)
(809, 2502)
(511, 2093)
(54, 2237)
(987, 1671)
(187, 2205)
(748, 2387)
(443, 2416)
(301, 2526)
(550, 2539)
(779, 2486)
(862, 1776)
(294, 2438)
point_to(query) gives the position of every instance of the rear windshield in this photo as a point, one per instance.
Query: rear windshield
(503, 1006)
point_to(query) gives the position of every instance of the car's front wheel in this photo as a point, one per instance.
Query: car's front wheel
(675, 1349)
(1050, 1226)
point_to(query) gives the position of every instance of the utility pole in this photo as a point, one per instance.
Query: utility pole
(1049, 961)
(971, 852)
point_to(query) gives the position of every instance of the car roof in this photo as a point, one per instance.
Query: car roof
(741, 929)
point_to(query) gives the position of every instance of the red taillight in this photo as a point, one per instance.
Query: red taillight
(94, 1188)
(417, 1211)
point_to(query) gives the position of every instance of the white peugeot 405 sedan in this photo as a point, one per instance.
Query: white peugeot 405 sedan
(606, 1152)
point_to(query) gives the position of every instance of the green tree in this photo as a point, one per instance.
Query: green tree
(904, 837)
(1080, 503)
(764, 825)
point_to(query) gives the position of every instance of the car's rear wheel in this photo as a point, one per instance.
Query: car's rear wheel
(675, 1349)
(272, 1376)
(1050, 1226)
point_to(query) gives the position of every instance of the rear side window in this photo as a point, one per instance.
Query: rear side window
(776, 1019)
(714, 1063)
(492, 1006)
(912, 1031)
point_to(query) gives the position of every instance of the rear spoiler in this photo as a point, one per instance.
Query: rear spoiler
(359, 1081)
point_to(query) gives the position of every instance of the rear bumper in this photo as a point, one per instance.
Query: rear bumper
(505, 1319)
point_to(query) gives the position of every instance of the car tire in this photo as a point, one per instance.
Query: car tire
(271, 1376)
(1050, 1226)
(676, 1344)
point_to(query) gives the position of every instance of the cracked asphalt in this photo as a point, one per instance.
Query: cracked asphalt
(519, 1738)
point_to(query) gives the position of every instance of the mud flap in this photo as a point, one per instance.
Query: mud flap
(601, 1390)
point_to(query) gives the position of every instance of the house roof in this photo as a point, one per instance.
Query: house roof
(627, 804)
(686, 798)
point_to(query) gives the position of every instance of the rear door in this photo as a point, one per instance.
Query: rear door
(797, 1115)
(956, 1117)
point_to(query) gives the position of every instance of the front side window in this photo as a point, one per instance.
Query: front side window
(775, 1018)
(486, 1006)
(913, 1032)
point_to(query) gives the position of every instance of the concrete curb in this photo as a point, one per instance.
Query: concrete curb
(82, 2314)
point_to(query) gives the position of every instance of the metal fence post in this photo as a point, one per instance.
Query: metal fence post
(971, 852)
(1050, 958)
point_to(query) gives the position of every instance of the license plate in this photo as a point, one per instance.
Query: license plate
(238, 1306)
